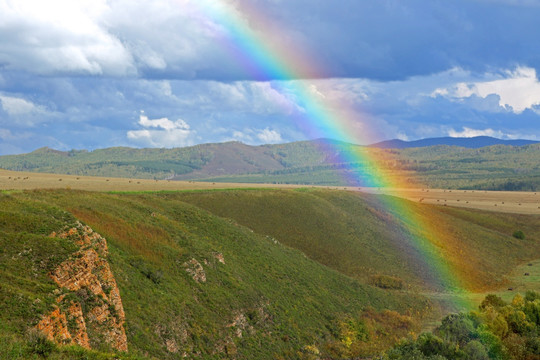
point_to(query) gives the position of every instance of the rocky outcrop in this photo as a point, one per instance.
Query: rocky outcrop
(219, 257)
(56, 324)
(95, 305)
(195, 269)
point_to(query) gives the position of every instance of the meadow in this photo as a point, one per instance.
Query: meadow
(306, 270)
(517, 202)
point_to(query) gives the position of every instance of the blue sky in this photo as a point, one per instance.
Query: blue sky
(90, 74)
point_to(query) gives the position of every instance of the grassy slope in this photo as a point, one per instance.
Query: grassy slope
(288, 300)
(27, 255)
(326, 226)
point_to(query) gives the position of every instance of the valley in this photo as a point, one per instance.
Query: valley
(304, 262)
(218, 269)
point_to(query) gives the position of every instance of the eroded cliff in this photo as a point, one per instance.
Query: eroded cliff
(89, 309)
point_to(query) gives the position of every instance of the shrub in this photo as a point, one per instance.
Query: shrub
(386, 282)
(519, 234)
(39, 344)
(492, 300)
(474, 350)
(456, 328)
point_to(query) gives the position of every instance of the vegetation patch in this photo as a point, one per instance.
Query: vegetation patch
(519, 234)
(386, 282)
(498, 330)
(288, 274)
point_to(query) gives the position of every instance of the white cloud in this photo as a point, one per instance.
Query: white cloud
(111, 38)
(162, 133)
(517, 90)
(261, 98)
(18, 106)
(163, 123)
(243, 136)
(269, 136)
(60, 36)
(468, 132)
(257, 136)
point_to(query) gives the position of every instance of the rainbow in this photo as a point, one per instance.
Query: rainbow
(266, 58)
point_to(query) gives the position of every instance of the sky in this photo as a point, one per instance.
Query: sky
(91, 74)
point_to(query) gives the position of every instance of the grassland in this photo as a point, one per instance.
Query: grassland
(300, 262)
(517, 202)
(285, 300)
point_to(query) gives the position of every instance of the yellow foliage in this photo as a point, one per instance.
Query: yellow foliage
(518, 301)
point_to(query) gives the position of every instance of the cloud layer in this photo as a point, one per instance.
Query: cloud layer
(75, 74)
(180, 39)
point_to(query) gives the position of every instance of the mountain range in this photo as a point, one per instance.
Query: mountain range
(466, 142)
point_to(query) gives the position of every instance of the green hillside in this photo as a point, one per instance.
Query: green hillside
(355, 234)
(179, 163)
(265, 300)
(319, 162)
(287, 274)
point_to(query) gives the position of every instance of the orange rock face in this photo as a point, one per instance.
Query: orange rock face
(54, 326)
(87, 273)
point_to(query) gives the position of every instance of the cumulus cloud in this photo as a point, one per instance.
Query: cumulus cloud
(257, 136)
(60, 36)
(18, 106)
(261, 98)
(186, 39)
(162, 133)
(269, 136)
(23, 113)
(517, 91)
(468, 132)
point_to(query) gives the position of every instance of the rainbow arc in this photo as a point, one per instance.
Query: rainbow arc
(261, 54)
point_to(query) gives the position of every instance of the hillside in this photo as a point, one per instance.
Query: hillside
(190, 282)
(354, 233)
(244, 274)
(319, 162)
(179, 163)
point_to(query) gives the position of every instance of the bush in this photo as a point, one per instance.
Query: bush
(474, 350)
(492, 300)
(39, 344)
(519, 234)
(386, 282)
(456, 328)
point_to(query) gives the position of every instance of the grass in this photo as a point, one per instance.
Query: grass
(287, 300)
(297, 273)
(354, 234)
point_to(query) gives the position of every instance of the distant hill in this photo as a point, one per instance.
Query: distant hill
(200, 161)
(470, 142)
(504, 166)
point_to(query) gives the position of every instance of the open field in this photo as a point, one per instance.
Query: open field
(19, 180)
(517, 202)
